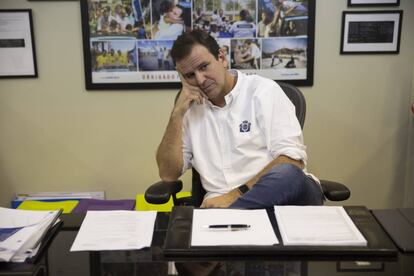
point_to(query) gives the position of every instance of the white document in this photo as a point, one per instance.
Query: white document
(21, 232)
(317, 225)
(260, 231)
(115, 230)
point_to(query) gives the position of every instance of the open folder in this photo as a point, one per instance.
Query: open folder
(182, 242)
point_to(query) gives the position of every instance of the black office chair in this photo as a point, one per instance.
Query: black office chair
(161, 192)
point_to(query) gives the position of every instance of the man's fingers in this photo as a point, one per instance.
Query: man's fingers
(183, 80)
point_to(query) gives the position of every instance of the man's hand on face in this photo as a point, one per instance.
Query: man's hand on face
(189, 94)
(222, 201)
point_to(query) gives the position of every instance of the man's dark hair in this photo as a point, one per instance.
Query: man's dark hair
(186, 41)
(244, 14)
(165, 6)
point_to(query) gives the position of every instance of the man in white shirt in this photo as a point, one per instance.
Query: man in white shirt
(244, 27)
(239, 132)
(254, 52)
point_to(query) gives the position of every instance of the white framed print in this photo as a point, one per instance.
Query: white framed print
(366, 3)
(17, 47)
(371, 32)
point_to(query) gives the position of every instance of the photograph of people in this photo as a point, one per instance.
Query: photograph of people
(245, 54)
(282, 18)
(224, 45)
(113, 56)
(170, 19)
(225, 19)
(155, 55)
(288, 53)
(128, 18)
(244, 27)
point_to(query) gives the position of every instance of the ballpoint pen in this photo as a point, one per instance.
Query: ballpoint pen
(231, 227)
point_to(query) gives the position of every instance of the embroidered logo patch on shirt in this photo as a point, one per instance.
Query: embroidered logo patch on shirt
(245, 126)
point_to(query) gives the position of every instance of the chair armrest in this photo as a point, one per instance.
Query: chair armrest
(161, 192)
(335, 191)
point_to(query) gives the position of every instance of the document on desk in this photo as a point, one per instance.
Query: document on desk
(115, 230)
(317, 225)
(22, 232)
(256, 228)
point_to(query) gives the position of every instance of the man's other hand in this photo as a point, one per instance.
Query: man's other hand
(222, 201)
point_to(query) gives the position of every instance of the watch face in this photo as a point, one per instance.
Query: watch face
(243, 189)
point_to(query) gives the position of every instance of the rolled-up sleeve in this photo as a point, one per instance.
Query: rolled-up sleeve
(278, 121)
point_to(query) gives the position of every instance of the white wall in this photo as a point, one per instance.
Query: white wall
(409, 183)
(55, 135)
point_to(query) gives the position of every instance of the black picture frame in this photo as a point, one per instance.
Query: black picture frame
(370, 3)
(17, 44)
(371, 32)
(140, 75)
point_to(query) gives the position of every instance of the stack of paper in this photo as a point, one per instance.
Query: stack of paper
(115, 230)
(259, 230)
(21, 232)
(60, 195)
(55, 196)
(317, 225)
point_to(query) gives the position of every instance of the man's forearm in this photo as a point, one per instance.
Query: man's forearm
(279, 160)
(169, 153)
(227, 199)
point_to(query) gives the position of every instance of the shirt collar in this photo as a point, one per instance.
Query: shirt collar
(231, 96)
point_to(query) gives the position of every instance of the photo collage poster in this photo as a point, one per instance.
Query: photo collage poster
(130, 41)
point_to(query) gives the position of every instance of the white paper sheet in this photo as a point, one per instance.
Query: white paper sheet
(317, 225)
(115, 230)
(259, 233)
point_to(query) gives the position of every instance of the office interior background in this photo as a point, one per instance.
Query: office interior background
(57, 136)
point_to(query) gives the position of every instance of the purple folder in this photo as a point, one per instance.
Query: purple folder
(103, 205)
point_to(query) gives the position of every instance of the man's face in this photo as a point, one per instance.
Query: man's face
(200, 68)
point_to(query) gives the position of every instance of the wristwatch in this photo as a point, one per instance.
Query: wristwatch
(243, 189)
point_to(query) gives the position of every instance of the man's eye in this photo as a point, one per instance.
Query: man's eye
(204, 67)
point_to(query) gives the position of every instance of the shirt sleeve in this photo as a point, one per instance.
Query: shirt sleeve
(187, 149)
(278, 121)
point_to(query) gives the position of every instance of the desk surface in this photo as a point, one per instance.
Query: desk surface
(151, 261)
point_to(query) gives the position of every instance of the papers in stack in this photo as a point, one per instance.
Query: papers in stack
(115, 230)
(259, 232)
(21, 232)
(55, 196)
(317, 225)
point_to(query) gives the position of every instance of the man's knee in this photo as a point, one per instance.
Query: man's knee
(286, 172)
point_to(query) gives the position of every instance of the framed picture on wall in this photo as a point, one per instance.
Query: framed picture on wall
(127, 43)
(367, 3)
(366, 32)
(17, 46)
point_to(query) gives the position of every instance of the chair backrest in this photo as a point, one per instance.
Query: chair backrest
(298, 100)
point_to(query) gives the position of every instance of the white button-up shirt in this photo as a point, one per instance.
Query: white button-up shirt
(228, 146)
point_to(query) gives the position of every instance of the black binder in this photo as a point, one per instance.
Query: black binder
(178, 242)
(399, 224)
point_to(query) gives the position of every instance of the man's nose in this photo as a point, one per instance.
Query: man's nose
(200, 78)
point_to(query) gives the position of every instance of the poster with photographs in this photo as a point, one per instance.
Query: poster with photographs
(127, 43)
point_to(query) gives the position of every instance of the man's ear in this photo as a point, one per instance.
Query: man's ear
(223, 58)
(220, 54)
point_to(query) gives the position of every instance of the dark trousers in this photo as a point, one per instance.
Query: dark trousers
(284, 184)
